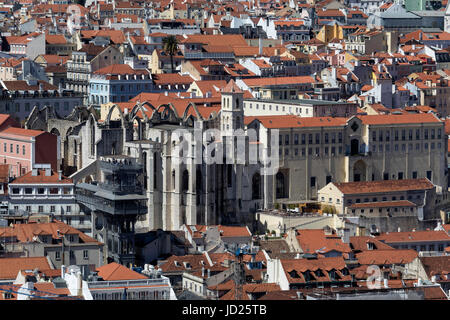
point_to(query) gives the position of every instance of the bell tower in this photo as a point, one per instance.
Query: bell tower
(232, 112)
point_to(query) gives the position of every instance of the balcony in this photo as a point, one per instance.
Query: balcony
(125, 206)
(129, 283)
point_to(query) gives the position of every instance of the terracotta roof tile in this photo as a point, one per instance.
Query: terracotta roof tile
(383, 186)
(414, 236)
(114, 272)
(29, 178)
(381, 257)
(10, 267)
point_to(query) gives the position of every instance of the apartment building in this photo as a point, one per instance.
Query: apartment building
(22, 149)
(318, 150)
(44, 191)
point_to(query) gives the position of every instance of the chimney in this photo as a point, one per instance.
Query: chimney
(385, 282)
(63, 271)
(41, 87)
(209, 273)
(260, 46)
(203, 271)
(59, 175)
(79, 285)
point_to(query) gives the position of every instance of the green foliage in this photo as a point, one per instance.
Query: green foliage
(171, 47)
(328, 209)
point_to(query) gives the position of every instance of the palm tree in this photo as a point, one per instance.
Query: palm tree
(171, 48)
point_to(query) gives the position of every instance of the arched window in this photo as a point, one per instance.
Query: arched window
(173, 179)
(92, 139)
(280, 185)
(256, 186)
(185, 181)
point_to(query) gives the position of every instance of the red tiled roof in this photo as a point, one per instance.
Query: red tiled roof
(414, 236)
(383, 186)
(21, 132)
(292, 121)
(315, 240)
(55, 39)
(122, 69)
(22, 85)
(381, 257)
(383, 204)
(29, 178)
(303, 265)
(114, 272)
(10, 267)
(359, 243)
(26, 232)
(278, 81)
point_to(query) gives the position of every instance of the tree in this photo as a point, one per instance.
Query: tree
(171, 48)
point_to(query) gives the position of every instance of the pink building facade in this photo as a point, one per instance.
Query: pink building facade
(22, 148)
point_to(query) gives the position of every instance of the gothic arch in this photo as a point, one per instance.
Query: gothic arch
(121, 115)
(166, 111)
(280, 185)
(195, 112)
(256, 186)
(360, 171)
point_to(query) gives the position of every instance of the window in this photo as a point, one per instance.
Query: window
(386, 176)
(11, 148)
(68, 209)
(41, 209)
(340, 137)
(313, 182)
(303, 138)
(410, 135)
(72, 254)
(4, 147)
(417, 134)
(296, 138)
(414, 175)
(317, 138)
(28, 190)
(52, 208)
(429, 175)
(400, 175)
(23, 150)
(426, 134)
(15, 190)
(432, 134)
(53, 190)
(41, 190)
(28, 208)
(286, 141)
(327, 179)
(85, 254)
(57, 255)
